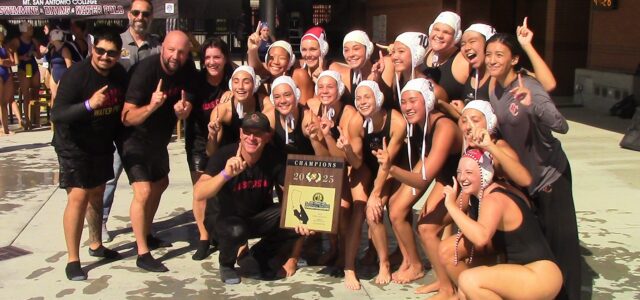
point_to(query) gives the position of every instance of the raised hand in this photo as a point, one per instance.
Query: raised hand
(343, 140)
(521, 93)
(98, 98)
(158, 97)
(480, 137)
(214, 126)
(378, 68)
(383, 156)
(312, 129)
(235, 164)
(254, 39)
(524, 34)
(450, 194)
(182, 107)
(326, 123)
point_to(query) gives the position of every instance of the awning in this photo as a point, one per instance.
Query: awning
(80, 9)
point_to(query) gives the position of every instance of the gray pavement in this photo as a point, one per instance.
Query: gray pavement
(606, 181)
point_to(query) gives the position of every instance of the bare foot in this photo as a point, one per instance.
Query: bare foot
(428, 288)
(384, 275)
(8, 132)
(290, 267)
(442, 296)
(411, 274)
(351, 281)
(403, 267)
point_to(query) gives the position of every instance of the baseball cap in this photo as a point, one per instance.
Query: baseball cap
(256, 120)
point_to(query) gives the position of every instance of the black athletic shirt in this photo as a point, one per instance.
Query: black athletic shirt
(527, 243)
(443, 75)
(157, 129)
(373, 141)
(207, 97)
(80, 132)
(249, 192)
(298, 143)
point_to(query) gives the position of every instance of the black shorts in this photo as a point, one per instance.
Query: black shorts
(150, 166)
(195, 147)
(85, 172)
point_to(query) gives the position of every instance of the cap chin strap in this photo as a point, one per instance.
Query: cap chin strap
(240, 109)
(368, 123)
(424, 138)
(289, 122)
(409, 128)
(475, 88)
(357, 77)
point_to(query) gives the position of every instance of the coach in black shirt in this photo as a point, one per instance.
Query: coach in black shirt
(240, 179)
(87, 118)
(158, 95)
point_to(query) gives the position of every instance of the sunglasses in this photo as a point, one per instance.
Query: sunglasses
(145, 13)
(110, 53)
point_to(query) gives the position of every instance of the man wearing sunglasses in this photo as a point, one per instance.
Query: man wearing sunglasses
(157, 96)
(138, 44)
(87, 118)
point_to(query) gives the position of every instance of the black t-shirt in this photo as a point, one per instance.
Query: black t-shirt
(157, 129)
(206, 98)
(80, 132)
(249, 192)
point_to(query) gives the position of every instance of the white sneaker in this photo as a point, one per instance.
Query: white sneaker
(106, 237)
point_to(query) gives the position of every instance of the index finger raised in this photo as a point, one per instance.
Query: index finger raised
(103, 89)
(384, 143)
(258, 27)
(524, 22)
(159, 87)
(520, 80)
(238, 154)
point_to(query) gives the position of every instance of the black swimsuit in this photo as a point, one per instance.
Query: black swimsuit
(449, 167)
(373, 141)
(527, 243)
(469, 93)
(443, 76)
(298, 143)
(231, 132)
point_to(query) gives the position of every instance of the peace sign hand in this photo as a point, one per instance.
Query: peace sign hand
(383, 156)
(480, 137)
(521, 93)
(214, 126)
(524, 34)
(312, 129)
(343, 140)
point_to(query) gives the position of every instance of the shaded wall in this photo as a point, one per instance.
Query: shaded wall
(614, 38)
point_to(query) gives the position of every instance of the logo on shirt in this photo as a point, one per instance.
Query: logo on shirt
(513, 109)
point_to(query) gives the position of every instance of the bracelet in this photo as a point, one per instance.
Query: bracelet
(225, 175)
(87, 106)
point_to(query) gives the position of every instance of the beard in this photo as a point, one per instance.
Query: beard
(171, 66)
(139, 27)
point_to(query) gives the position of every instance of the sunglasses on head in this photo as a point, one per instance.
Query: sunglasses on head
(110, 53)
(144, 13)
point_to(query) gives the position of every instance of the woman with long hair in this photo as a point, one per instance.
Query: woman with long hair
(526, 117)
(59, 58)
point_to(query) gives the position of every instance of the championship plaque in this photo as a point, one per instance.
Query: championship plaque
(312, 191)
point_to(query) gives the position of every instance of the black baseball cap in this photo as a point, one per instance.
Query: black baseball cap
(256, 120)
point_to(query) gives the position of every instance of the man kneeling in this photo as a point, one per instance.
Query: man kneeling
(240, 179)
